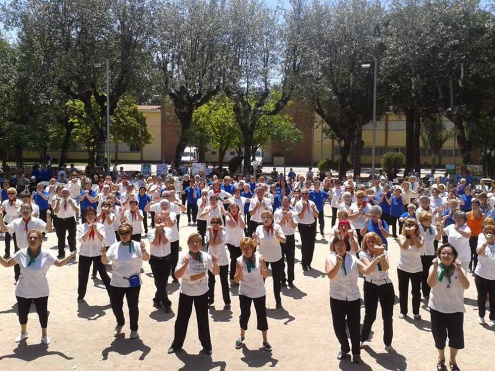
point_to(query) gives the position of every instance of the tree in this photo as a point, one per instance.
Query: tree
(260, 48)
(434, 134)
(189, 50)
(288, 136)
(484, 139)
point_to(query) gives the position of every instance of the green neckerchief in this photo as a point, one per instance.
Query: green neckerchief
(32, 259)
(343, 266)
(444, 270)
(196, 255)
(429, 229)
(132, 249)
(249, 264)
(379, 266)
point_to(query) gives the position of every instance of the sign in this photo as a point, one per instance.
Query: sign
(162, 169)
(146, 169)
(450, 168)
(198, 168)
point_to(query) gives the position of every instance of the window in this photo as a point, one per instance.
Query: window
(134, 148)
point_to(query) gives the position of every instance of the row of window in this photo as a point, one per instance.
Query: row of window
(424, 152)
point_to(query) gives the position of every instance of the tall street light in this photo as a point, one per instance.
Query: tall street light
(373, 144)
(108, 110)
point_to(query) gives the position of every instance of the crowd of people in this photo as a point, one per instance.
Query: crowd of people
(246, 228)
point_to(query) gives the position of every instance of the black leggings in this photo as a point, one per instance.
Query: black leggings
(484, 286)
(224, 280)
(23, 305)
(386, 296)
(404, 278)
(473, 244)
(235, 252)
(277, 268)
(259, 306)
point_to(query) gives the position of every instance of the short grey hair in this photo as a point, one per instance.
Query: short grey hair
(376, 209)
(461, 214)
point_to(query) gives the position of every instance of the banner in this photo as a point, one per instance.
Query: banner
(162, 169)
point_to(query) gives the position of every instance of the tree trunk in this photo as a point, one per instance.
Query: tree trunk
(65, 143)
(221, 156)
(416, 147)
(358, 149)
(19, 156)
(344, 153)
(465, 145)
(409, 139)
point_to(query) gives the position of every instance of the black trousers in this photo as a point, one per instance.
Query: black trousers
(235, 252)
(224, 280)
(83, 274)
(201, 227)
(334, 215)
(473, 244)
(404, 278)
(449, 325)
(259, 306)
(136, 237)
(247, 221)
(307, 233)
(83, 216)
(321, 221)
(346, 313)
(65, 226)
(174, 257)
(393, 223)
(145, 221)
(192, 212)
(182, 321)
(8, 238)
(24, 304)
(252, 227)
(161, 270)
(288, 252)
(277, 268)
(386, 295)
(426, 260)
(132, 296)
(43, 214)
(152, 213)
(484, 286)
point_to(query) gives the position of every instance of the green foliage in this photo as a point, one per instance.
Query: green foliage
(128, 124)
(434, 134)
(235, 164)
(325, 165)
(392, 160)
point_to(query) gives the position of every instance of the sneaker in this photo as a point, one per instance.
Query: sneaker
(6, 256)
(491, 323)
(402, 315)
(267, 346)
(481, 321)
(21, 337)
(441, 366)
(133, 335)
(206, 351)
(226, 307)
(356, 358)
(172, 350)
(118, 331)
(45, 340)
(417, 317)
(342, 355)
(389, 348)
(278, 306)
(239, 343)
(167, 309)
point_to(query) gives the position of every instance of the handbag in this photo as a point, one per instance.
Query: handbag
(134, 280)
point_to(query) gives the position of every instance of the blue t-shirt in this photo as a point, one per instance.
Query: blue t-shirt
(85, 203)
(384, 204)
(277, 202)
(190, 195)
(318, 198)
(396, 207)
(246, 205)
(406, 215)
(40, 201)
(252, 186)
(373, 227)
(450, 220)
(143, 200)
(467, 202)
(229, 189)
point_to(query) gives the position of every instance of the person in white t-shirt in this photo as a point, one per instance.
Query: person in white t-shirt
(192, 268)
(127, 260)
(134, 217)
(250, 274)
(33, 285)
(410, 267)
(458, 236)
(234, 230)
(11, 206)
(448, 281)
(215, 237)
(484, 274)
(269, 236)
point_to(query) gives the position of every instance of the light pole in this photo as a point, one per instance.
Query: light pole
(107, 67)
(373, 144)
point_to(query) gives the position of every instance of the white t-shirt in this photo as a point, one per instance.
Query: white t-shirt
(270, 247)
(235, 234)
(163, 249)
(344, 286)
(91, 247)
(360, 220)
(429, 237)
(486, 264)
(201, 202)
(137, 225)
(199, 286)
(11, 211)
(376, 275)
(447, 297)
(219, 248)
(17, 226)
(410, 260)
(125, 263)
(266, 204)
(336, 194)
(285, 225)
(252, 284)
(110, 237)
(460, 243)
(32, 281)
(308, 217)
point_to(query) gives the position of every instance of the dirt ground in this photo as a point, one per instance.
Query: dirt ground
(301, 334)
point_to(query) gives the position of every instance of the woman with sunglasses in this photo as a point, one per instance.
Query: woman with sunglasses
(448, 281)
(409, 267)
(358, 213)
(11, 207)
(250, 274)
(33, 285)
(345, 300)
(430, 235)
(458, 235)
(192, 269)
(268, 237)
(127, 258)
(234, 228)
(215, 237)
(134, 217)
(377, 287)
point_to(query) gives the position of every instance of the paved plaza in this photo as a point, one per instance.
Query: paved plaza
(301, 334)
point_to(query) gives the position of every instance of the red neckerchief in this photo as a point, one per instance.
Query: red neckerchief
(160, 238)
(12, 202)
(215, 233)
(133, 215)
(26, 222)
(269, 229)
(216, 192)
(236, 218)
(92, 233)
(65, 205)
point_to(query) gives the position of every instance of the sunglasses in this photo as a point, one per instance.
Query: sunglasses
(215, 222)
(10, 193)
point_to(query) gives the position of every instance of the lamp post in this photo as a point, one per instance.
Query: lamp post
(373, 144)
(107, 67)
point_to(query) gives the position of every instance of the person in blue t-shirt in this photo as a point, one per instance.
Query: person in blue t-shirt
(467, 198)
(87, 198)
(193, 193)
(292, 174)
(318, 197)
(410, 213)
(396, 203)
(41, 198)
(376, 224)
(247, 193)
(143, 200)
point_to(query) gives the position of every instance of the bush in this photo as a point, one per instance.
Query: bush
(235, 163)
(392, 160)
(325, 165)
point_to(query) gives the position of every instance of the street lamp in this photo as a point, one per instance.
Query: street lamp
(373, 144)
(97, 65)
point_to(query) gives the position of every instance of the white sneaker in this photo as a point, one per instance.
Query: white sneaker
(389, 348)
(491, 323)
(481, 321)
(45, 340)
(21, 337)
